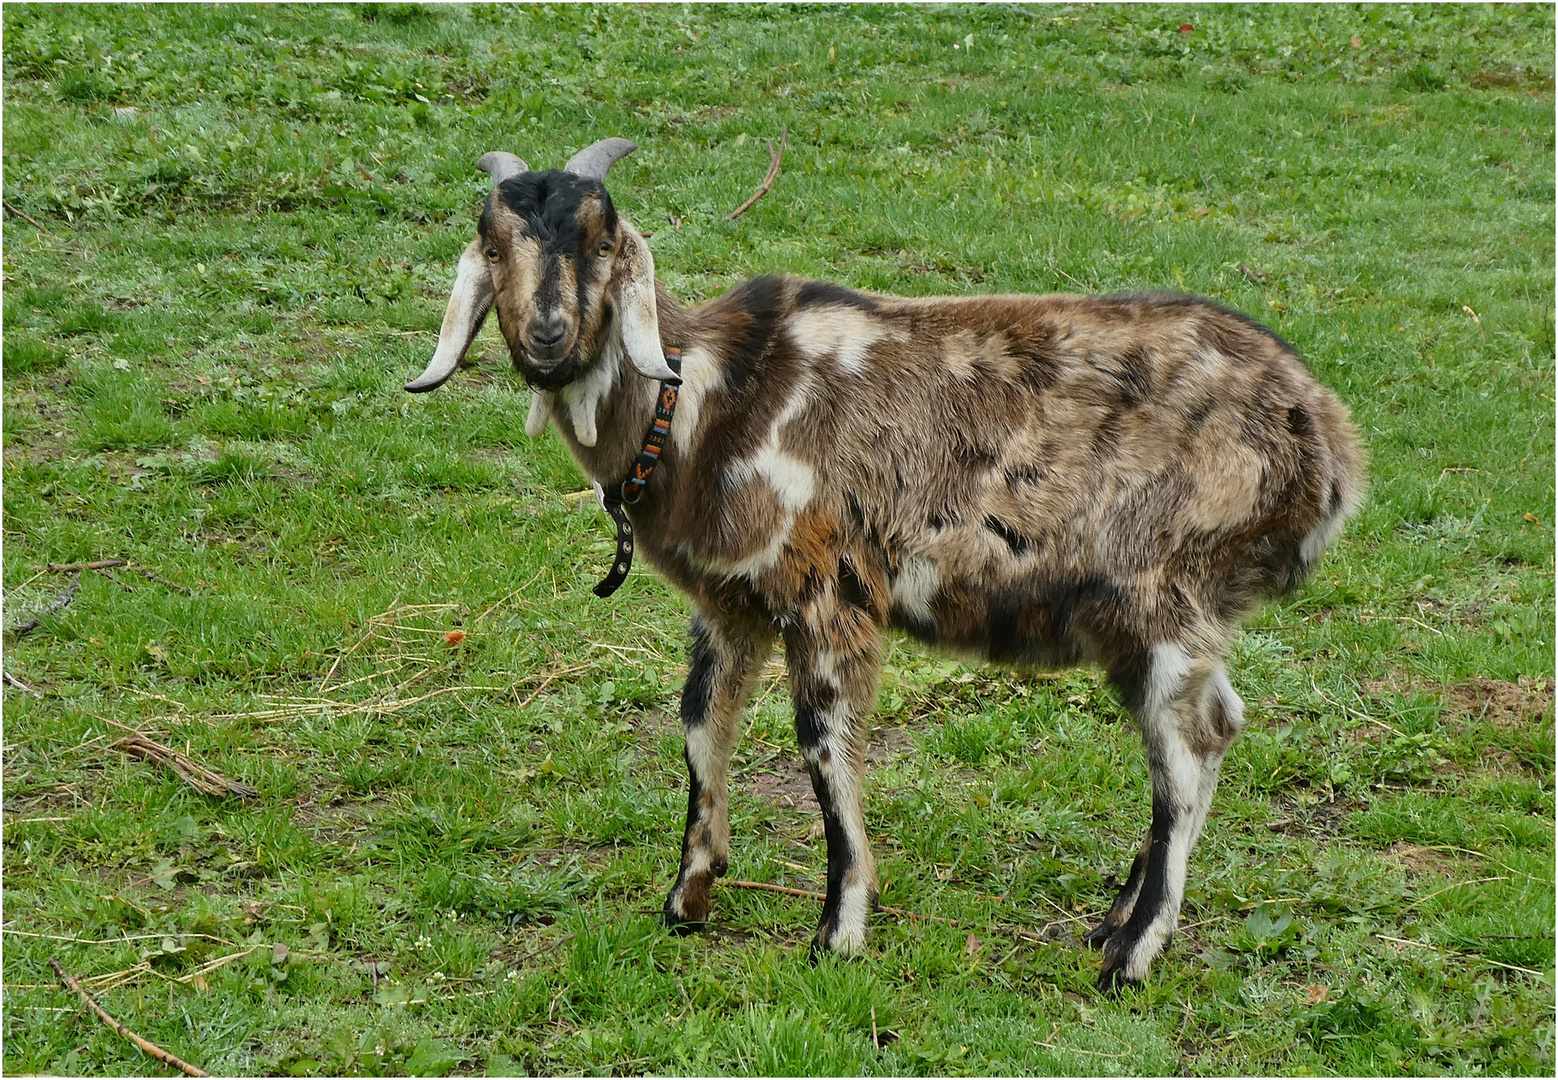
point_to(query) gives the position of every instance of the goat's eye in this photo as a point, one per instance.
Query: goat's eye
(492, 253)
(604, 249)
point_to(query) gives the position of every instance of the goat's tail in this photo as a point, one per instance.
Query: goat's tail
(1336, 464)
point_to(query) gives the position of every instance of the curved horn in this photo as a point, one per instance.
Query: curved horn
(502, 166)
(593, 161)
(469, 303)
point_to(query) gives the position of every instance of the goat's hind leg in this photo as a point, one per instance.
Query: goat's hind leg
(722, 666)
(1189, 716)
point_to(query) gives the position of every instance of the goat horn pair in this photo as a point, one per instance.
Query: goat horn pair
(592, 163)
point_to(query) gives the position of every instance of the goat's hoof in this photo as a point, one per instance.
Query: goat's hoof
(1099, 935)
(1112, 979)
(821, 948)
(684, 927)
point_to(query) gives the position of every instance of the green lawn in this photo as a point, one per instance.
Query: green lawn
(249, 222)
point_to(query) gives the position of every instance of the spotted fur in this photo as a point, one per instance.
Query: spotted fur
(1037, 480)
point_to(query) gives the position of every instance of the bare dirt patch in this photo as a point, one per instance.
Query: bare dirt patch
(887, 744)
(1500, 703)
(648, 726)
(337, 813)
(784, 782)
(1420, 860)
(1323, 818)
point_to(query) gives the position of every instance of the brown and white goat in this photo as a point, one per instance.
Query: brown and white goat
(1039, 480)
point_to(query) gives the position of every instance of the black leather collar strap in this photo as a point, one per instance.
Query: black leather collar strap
(632, 489)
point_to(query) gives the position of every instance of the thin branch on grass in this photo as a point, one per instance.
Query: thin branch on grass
(112, 941)
(782, 889)
(191, 772)
(534, 693)
(221, 961)
(24, 216)
(1457, 955)
(1457, 885)
(808, 895)
(1398, 618)
(297, 710)
(1068, 277)
(117, 580)
(1074, 1050)
(103, 566)
(77, 567)
(513, 593)
(59, 604)
(146, 1047)
(12, 680)
(159, 579)
(773, 173)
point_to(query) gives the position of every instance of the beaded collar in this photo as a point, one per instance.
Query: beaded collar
(632, 489)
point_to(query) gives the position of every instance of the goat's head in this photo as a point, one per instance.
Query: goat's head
(563, 270)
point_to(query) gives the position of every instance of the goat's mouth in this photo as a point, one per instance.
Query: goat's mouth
(554, 377)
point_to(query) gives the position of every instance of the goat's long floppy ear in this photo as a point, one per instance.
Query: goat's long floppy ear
(593, 161)
(472, 295)
(468, 306)
(634, 292)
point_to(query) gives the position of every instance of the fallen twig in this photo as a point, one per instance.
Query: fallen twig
(1068, 277)
(141, 570)
(1251, 276)
(12, 680)
(59, 604)
(103, 566)
(768, 181)
(221, 961)
(1457, 885)
(1074, 1050)
(146, 1047)
(23, 216)
(77, 567)
(1457, 954)
(785, 890)
(808, 895)
(191, 772)
(113, 941)
(544, 684)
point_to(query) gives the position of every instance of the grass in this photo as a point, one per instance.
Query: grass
(250, 219)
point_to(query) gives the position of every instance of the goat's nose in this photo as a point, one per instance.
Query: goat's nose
(548, 334)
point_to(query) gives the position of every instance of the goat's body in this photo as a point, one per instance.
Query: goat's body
(1033, 479)
(1038, 480)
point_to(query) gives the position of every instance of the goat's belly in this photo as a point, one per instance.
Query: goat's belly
(1040, 623)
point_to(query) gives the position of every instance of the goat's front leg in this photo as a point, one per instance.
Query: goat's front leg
(722, 666)
(835, 656)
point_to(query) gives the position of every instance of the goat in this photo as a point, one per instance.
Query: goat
(1039, 480)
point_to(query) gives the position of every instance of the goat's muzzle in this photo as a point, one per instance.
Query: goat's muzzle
(539, 376)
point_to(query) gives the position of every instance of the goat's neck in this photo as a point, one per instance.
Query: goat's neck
(616, 399)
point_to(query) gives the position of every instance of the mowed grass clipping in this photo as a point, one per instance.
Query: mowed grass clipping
(375, 607)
